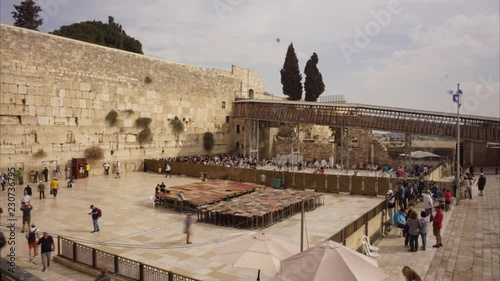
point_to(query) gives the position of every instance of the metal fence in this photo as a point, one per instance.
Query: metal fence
(115, 264)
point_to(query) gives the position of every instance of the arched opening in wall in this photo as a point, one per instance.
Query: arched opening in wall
(250, 94)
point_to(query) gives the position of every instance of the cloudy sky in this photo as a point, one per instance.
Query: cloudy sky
(405, 53)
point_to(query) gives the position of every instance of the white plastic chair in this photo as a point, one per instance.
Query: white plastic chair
(153, 199)
(368, 252)
(367, 241)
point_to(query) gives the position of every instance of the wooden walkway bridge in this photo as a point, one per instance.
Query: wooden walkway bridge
(475, 128)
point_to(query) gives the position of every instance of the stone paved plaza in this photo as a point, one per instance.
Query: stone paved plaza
(155, 235)
(470, 236)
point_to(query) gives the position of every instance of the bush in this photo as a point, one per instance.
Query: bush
(145, 136)
(94, 153)
(148, 80)
(129, 112)
(208, 141)
(284, 131)
(40, 154)
(177, 125)
(143, 122)
(112, 118)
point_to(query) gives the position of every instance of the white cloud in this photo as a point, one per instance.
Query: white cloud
(403, 65)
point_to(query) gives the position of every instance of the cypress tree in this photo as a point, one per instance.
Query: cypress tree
(313, 84)
(26, 15)
(290, 75)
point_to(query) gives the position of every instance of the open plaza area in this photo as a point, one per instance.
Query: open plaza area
(132, 228)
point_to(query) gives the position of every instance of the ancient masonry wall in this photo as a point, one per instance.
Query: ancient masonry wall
(359, 151)
(55, 94)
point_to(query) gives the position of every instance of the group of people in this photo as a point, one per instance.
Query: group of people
(34, 240)
(412, 227)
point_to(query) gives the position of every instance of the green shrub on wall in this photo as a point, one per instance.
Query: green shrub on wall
(94, 153)
(112, 118)
(145, 136)
(40, 154)
(208, 141)
(177, 125)
(143, 122)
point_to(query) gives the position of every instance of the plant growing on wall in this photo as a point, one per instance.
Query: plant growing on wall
(128, 112)
(145, 136)
(94, 153)
(112, 118)
(208, 141)
(148, 79)
(40, 154)
(143, 122)
(177, 125)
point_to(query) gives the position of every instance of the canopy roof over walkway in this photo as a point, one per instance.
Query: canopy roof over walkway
(477, 128)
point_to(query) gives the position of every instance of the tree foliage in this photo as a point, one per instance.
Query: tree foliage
(313, 84)
(108, 34)
(208, 141)
(290, 75)
(26, 15)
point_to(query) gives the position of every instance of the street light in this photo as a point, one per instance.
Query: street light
(456, 98)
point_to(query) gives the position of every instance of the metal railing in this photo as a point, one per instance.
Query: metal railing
(115, 264)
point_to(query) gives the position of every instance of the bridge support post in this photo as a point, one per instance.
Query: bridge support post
(408, 150)
(344, 149)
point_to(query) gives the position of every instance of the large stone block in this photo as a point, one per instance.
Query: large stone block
(45, 121)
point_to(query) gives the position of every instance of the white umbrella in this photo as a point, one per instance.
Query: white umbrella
(257, 251)
(330, 261)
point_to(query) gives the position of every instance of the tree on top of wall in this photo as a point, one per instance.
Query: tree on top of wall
(313, 84)
(108, 34)
(290, 75)
(26, 15)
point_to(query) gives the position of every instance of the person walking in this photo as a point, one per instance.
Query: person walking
(427, 202)
(87, 170)
(437, 224)
(45, 173)
(95, 218)
(188, 221)
(391, 204)
(26, 208)
(47, 247)
(106, 168)
(117, 169)
(424, 228)
(168, 171)
(28, 190)
(32, 237)
(413, 230)
(41, 190)
(54, 187)
(20, 176)
(481, 183)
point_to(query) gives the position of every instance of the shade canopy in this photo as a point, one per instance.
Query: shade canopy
(420, 154)
(257, 251)
(331, 261)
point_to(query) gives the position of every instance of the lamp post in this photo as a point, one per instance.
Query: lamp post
(456, 98)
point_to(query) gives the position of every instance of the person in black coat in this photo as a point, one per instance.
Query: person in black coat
(46, 174)
(481, 183)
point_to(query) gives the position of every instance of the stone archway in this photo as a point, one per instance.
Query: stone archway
(251, 94)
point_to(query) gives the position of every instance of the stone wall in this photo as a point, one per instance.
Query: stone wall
(56, 93)
(360, 146)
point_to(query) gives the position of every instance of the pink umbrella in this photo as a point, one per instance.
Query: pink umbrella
(330, 261)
